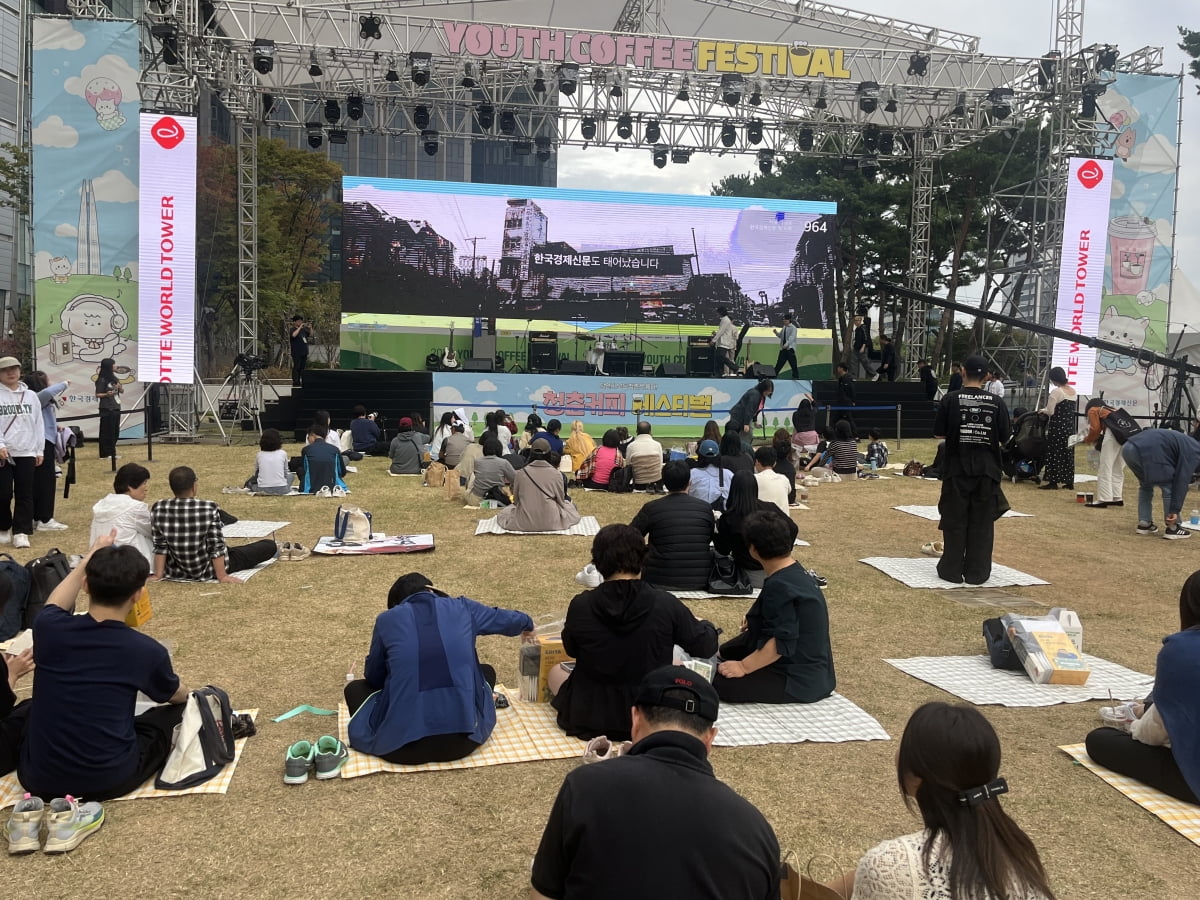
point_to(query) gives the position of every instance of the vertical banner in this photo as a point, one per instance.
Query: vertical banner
(1145, 111)
(1081, 271)
(85, 206)
(167, 257)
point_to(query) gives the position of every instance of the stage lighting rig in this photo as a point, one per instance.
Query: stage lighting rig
(508, 122)
(959, 110)
(522, 148)
(821, 103)
(169, 35)
(1047, 67)
(538, 81)
(1088, 103)
(430, 139)
(766, 159)
(587, 128)
(659, 155)
(887, 143)
(755, 98)
(337, 135)
(543, 145)
(918, 64)
(268, 105)
(333, 111)
(868, 96)
(805, 139)
(624, 126)
(681, 157)
(1107, 59)
(315, 135)
(754, 131)
(354, 106)
(1001, 100)
(684, 95)
(890, 106)
(420, 117)
(263, 51)
(485, 114)
(470, 74)
(314, 66)
(568, 78)
(728, 134)
(369, 28)
(731, 88)
(419, 66)
(870, 139)
(653, 131)
(616, 84)
(392, 75)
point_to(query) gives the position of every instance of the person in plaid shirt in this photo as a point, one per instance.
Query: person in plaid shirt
(188, 538)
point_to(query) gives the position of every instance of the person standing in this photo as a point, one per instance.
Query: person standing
(928, 379)
(1061, 408)
(44, 475)
(889, 361)
(1166, 459)
(300, 336)
(787, 347)
(845, 396)
(748, 409)
(862, 343)
(725, 340)
(108, 393)
(955, 376)
(1110, 474)
(995, 384)
(974, 423)
(22, 443)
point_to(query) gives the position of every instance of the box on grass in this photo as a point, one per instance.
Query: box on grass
(1046, 650)
(536, 660)
(142, 612)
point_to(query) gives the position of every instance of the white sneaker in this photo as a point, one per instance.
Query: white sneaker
(589, 577)
(20, 541)
(353, 470)
(324, 491)
(51, 525)
(69, 822)
(338, 492)
(25, 826)
(6, 537)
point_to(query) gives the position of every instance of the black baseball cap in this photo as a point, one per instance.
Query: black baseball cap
(664, 687)
(976, 366)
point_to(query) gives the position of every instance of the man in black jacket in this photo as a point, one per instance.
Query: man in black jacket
(680, 528)
(889, 361)
(845, 396)
(748, 409)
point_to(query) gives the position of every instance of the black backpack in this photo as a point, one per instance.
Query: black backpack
(14, 595)
(45, 574)
(999, 647)
(621, 480)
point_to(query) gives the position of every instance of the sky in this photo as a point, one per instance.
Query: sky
(1024, 28)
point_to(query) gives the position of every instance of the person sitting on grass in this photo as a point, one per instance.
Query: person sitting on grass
(579, 446)
(708, 481)
(126, 511)
(424, 696)
(877, 449)
(321, 464)
(679, 529)
(271, 475)
(12, 713)
(735, 455)
(189, 542)
(645, 454)
(844, 449)
(407, 449)
(551, 436)
(597, 470)
(617, 633)
(454, 446)
(492, 472)
(730, 537)
(772, 487)
(81, 737)
(783, 654)
(785, 452)
(539, 496)
(367, 438)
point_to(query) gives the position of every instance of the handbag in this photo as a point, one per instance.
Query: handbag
(203, 742)
(796, 886)
(1121, 425)
(999, 647)
(727, 577)
(351, 525)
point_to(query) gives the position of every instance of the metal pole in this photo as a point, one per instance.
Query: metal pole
(899, 409)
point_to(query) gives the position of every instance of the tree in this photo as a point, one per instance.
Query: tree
(14, 178)
(1191, 46)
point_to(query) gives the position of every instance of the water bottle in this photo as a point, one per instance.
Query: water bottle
(1195, 517)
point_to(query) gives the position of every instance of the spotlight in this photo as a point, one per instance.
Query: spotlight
(1107, 58)
(470, 73)
(870, 139)
(392, 75)
(508, 122)
(587, 128)
(868, 96)
(616, 84)
(485, 114)
(1001, 100)
(264, 56)
(754, 131)
(887, 143)
(653, 131)
(731, 88)
(959, 110)
(314, 134)
(268, 104)
(543, 148)
(431, 142)
(522, 148)
(333, 111)
(624, 126)
(169, 36)
(419, 65)
(354, 106)
(890, 106)
(368, 27)
(420, 117)
(659, 155)
(755, 98)
(805, 139)
(568, 78)
(684, 94)
(766, 159)
(314, 67)
(918, 64)
(682, 157)
(821, 102)
(337, 135)
(539, 81)
(728, 134)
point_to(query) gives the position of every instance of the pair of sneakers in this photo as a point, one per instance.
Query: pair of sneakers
(1174, 532)
(324, 757)
(326, 491)
(68, 822)
(19, 541)
(293, 550)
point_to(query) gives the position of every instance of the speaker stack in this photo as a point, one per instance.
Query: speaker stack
(670, 370)
(701, 357)
(542, 355)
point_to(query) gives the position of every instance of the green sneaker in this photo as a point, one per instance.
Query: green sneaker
(25, 825)
(69, 822)
(331, 756)
(298, 761)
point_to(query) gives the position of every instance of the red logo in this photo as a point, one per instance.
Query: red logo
(1090, 174)
(167, 132)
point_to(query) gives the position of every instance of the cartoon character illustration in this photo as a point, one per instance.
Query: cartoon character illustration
(95, 324)
(60, 269)
(1120, 330)
(1127, 137)
(104, 96)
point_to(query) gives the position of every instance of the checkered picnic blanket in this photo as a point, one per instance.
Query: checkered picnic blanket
(11, 790)
(1183, 817)
(525, 732)
(705, 595)
(832, 720)
(585, 527)
(922, 573)
(242, 576)
(931, 513)
(973, 679)
(252, 528)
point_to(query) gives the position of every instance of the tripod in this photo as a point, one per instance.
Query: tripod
(1180, 411)
(244, 400)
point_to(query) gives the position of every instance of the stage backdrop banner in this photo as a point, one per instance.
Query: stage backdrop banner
(676, 407)
(1137, 281)
(85, 207)
(1082, 268)
(166, 295)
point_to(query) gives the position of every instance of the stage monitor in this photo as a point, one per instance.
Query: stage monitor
(425, 248)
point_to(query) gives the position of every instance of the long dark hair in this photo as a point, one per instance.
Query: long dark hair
(712, 431)
(1189, 603)
(731, 444)
(108, 369)
(743, 496)
(952, 749)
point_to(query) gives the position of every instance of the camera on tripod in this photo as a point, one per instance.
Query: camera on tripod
(249, 364)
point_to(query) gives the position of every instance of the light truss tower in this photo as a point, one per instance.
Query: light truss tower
(644, 16)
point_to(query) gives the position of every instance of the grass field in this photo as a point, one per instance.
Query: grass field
(288, 636)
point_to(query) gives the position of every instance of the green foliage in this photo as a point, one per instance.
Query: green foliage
(14, 178)
(1191, 46)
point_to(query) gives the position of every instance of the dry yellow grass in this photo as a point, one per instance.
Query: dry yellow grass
(287, 636)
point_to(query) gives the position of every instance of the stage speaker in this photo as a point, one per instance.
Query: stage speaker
(572, 367)
(670, 370)
(624, 362)
(701, 360)
(479, 364)
(758, 370)
(543, 356)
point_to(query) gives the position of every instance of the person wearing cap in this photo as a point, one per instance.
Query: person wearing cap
(22, 449)
(974, 423)
(539, 496)
(406, 450)
(655, 822)
(708, 480)
(743, 416)
(787, 347)
(424, 696)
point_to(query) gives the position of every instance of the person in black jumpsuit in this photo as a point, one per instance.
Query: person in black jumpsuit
(975, 424)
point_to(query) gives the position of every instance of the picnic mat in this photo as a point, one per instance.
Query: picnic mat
(705, 595)
(830, 721)
(394, 543)
(242, 576)
(922, 573)
(252, 528)
(1084, 479)
(1183, 817)
(585, 527)
(973, 679)
(931, 513)
(525, 732)
(11, 790)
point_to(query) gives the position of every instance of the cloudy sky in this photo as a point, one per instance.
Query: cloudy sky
(1015, 28)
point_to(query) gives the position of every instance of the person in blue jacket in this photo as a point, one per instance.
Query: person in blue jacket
(321, 463)
(424, 695)
(1166, 459)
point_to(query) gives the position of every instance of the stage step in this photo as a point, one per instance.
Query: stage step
(391, 394)
(917, 412)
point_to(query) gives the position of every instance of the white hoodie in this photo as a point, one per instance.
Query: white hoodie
(21, 431)
(130, 517)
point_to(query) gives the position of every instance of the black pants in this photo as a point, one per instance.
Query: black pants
(431, 748)
(247, 556)
(110, 428)
(298, 364)
(12, 732)
(767, 685)
(43, 486)
(787, 355)
(968, 507)
(1153, 766)
(725, 361)
(16, 478)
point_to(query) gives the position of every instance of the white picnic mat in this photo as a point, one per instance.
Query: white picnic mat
(252, 528)
(922, 573)
(832, 720)
(585, 527)
(705, 595)
(1084, 479)
(392, 543)
(931, 513)
(242, 576)
(973, 679)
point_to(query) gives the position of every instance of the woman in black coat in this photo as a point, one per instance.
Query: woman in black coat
(743, 500)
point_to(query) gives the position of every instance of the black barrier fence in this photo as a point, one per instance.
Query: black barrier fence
(144, 410)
